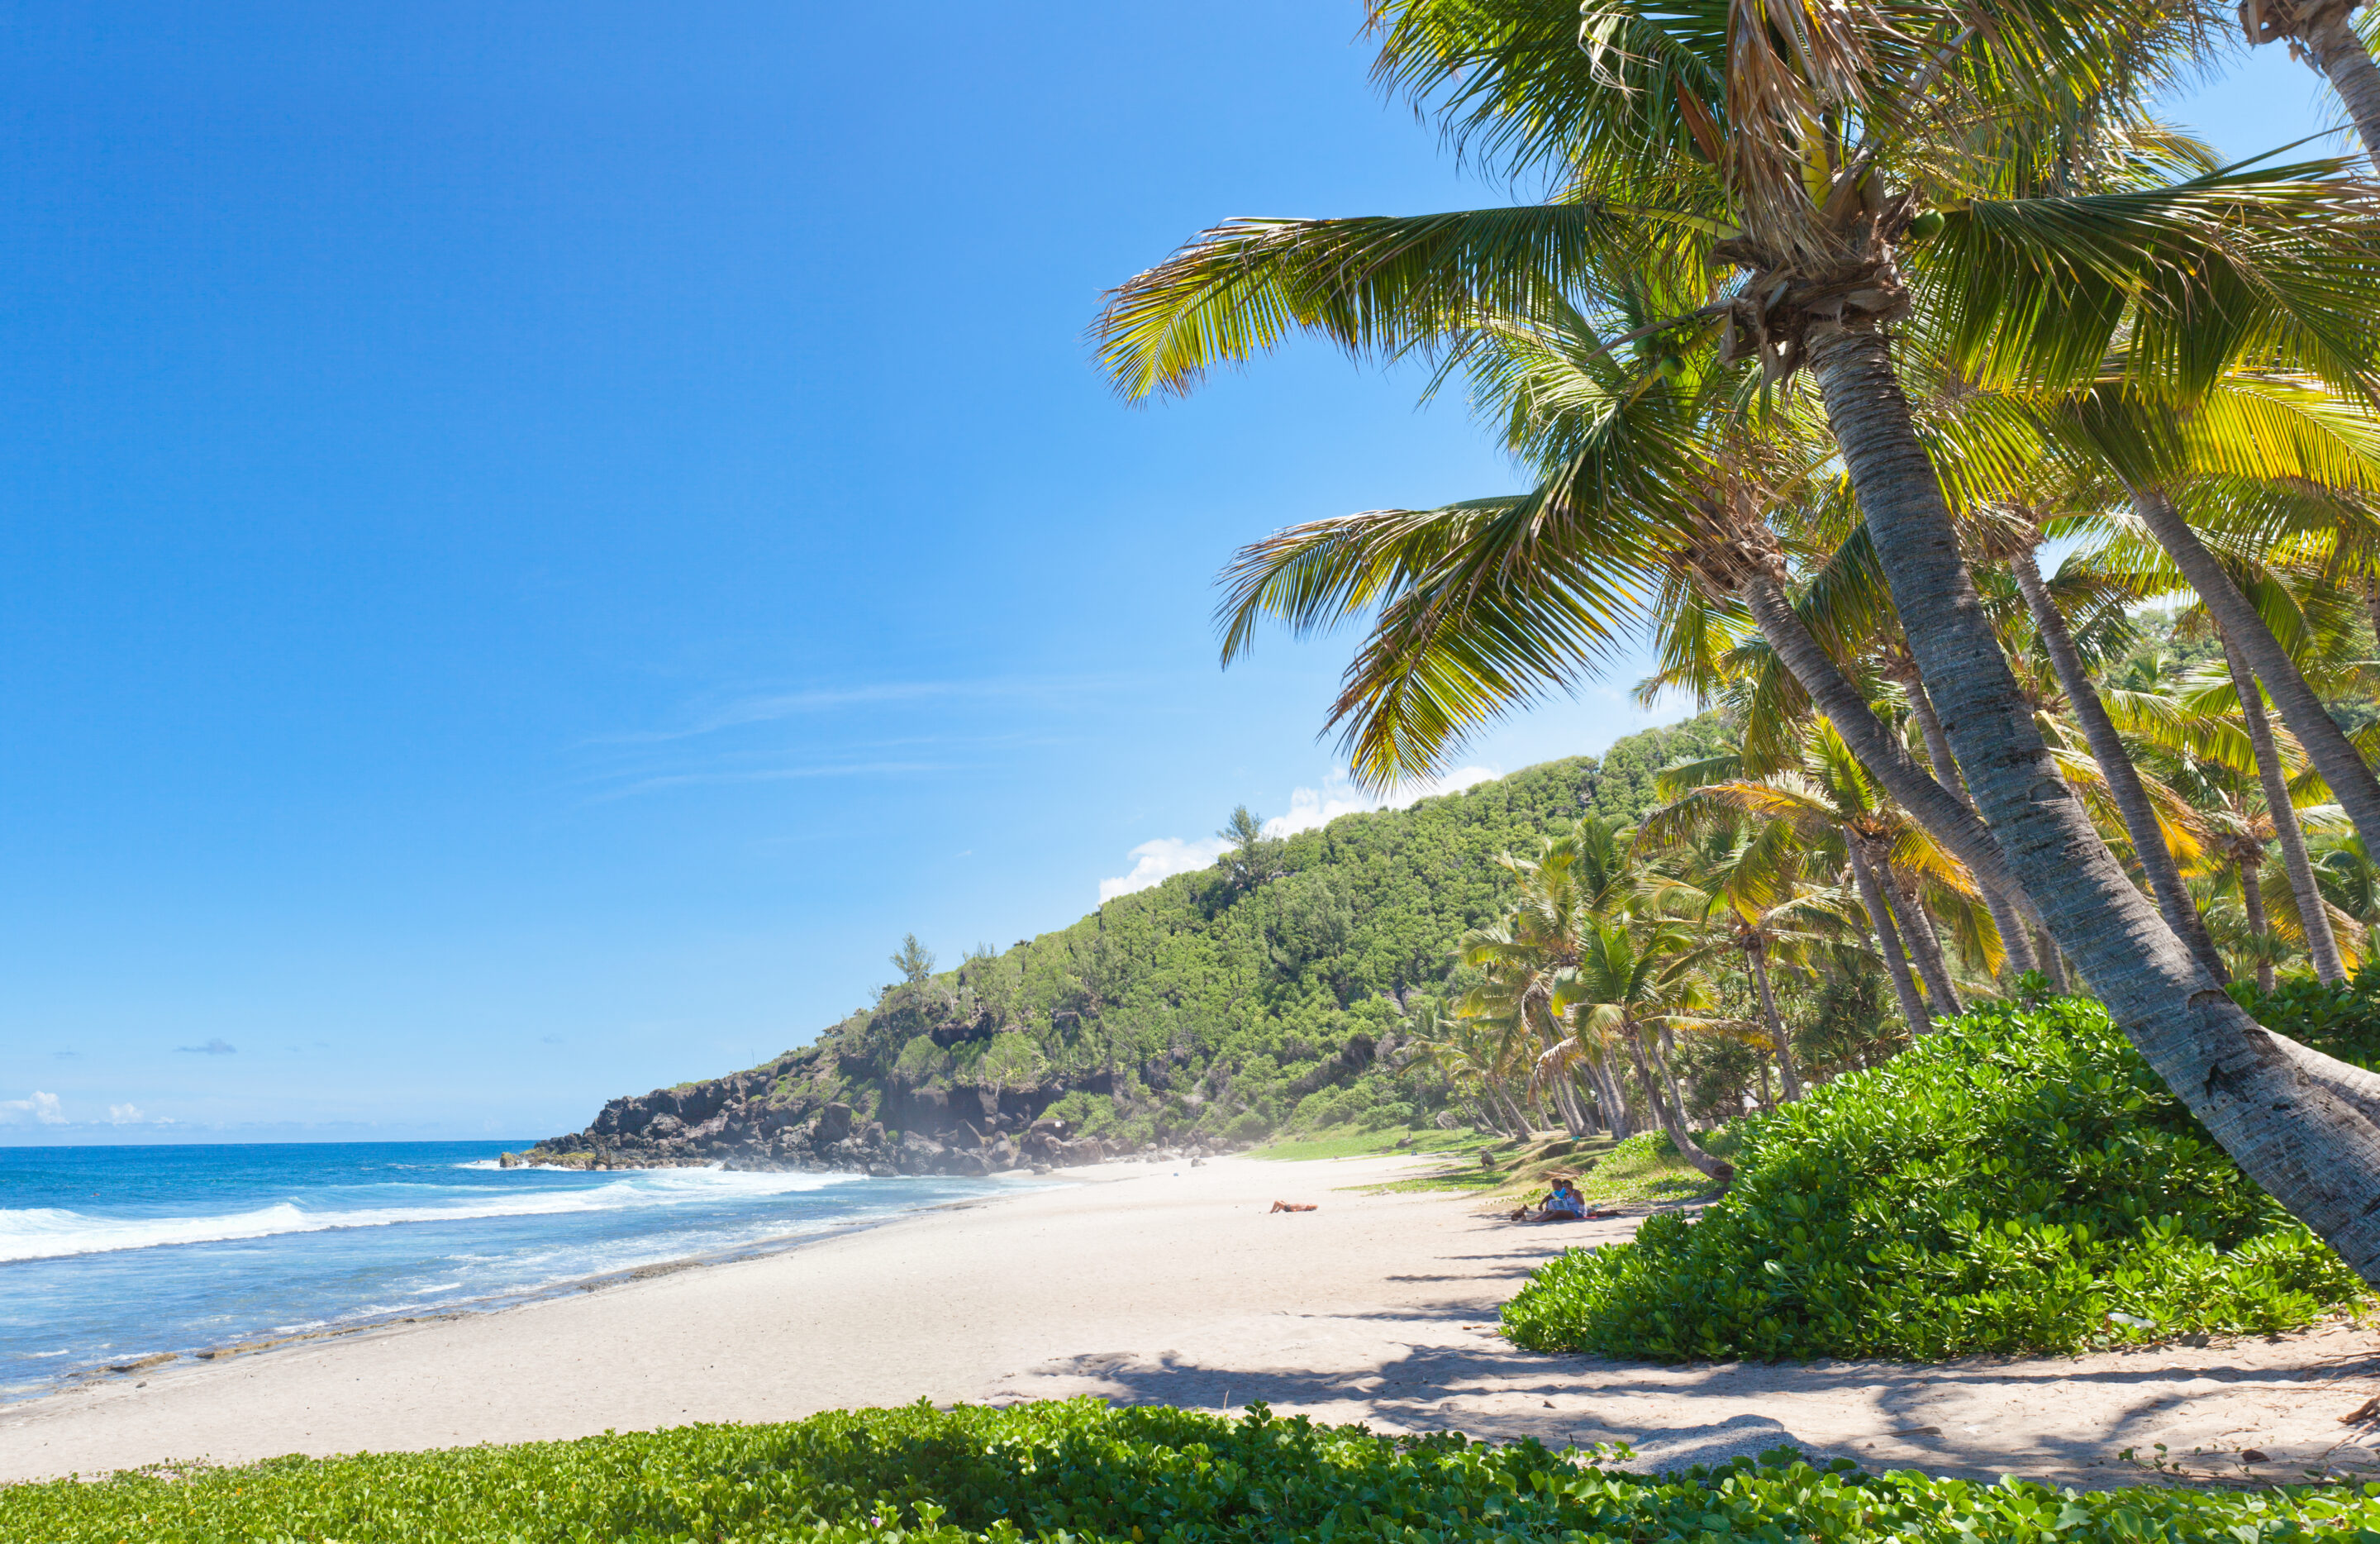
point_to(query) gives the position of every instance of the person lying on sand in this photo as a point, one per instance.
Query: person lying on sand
(1289, 1205)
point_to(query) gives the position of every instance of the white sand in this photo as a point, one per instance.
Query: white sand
(1161, 1285)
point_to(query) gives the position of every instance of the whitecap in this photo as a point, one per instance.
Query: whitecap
(52, 1232)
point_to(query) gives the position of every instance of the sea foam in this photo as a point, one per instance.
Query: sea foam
(53, 1232)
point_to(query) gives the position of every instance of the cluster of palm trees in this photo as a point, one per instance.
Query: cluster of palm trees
(1620, 942)
(1831, 315)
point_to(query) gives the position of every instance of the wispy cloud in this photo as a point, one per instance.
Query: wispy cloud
(770, 707)
(1309, 809)
(216, 1047)
(658, 782)
(125, 1114)
(43, 1108)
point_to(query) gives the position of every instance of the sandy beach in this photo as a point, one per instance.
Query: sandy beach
(1173, 1284)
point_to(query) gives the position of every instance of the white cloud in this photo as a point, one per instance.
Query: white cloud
(1161, 859)
(125, 1114)
(41, 1107)
(1309, 809)
(216, 1047)
(1312, 809)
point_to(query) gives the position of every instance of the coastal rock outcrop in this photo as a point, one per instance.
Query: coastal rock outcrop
(822, 1108)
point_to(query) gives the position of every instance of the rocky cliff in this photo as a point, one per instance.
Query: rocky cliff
(819, 1107)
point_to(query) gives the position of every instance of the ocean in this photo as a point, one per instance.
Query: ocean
(111, 1254)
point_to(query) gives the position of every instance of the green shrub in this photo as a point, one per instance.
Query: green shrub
(1084, 1473)
(1248, 1126)
(2341, 1021)
(2005, 1185)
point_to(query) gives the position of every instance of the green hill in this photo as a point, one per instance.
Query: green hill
(1217, 1007)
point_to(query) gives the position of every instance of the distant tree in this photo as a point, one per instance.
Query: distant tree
(914, 961)
(1248, 862)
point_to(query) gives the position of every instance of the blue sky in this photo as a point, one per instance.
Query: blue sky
(542, 538)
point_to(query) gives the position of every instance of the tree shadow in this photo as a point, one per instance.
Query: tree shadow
(1900, 1416)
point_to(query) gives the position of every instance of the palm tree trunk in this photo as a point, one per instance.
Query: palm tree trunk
(1888, 936)
(2252, 901)
(1776, 1023)
(2180, 913)
(1589, 1098)
(2313, 915)
(2053, 963)
(2331, 38)
(2005, 922)
(2314, 1149)
(1673, 1120)
(2326, 744)
(1614, 1098)
(1925, 946)
(1949, 820)
(1565, 1105)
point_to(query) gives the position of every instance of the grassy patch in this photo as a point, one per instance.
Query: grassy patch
(1348, 1142)
(1505, 1172)
(2021, 1182)
(1080, 1471)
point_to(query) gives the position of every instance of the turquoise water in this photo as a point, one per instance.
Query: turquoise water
(108, 1253)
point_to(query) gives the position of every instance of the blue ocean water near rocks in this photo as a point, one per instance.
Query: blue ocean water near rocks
(111, 1253)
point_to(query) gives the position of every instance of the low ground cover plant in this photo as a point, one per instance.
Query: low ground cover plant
(1081, 1472)
(2017, 1182)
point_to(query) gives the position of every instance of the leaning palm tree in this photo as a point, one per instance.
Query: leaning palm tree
(1470, 1056)
(1802, 158)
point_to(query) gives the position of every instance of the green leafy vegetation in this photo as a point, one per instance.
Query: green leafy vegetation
(1269, 993)
(1081, 1472)
(2020, 1182)
(2339, 1018)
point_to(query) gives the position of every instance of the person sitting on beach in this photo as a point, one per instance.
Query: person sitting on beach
(1565, 1204)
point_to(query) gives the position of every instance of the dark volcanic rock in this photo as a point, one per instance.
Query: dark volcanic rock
(827, 1107)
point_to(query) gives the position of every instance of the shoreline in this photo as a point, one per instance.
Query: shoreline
(1148, 1284)
(98, 1374)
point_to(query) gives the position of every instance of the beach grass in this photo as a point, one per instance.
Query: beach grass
(1352, 1142)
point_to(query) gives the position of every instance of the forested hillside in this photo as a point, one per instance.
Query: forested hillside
(1271, 988)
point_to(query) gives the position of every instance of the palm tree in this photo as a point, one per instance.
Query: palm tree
(1636, 974)
(2329, 447)
(1732, 137)
(1528, 956)
(1751, 885)
(1830, 803)
(2123, 779)
(2320, 943)
(1467, 1053)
